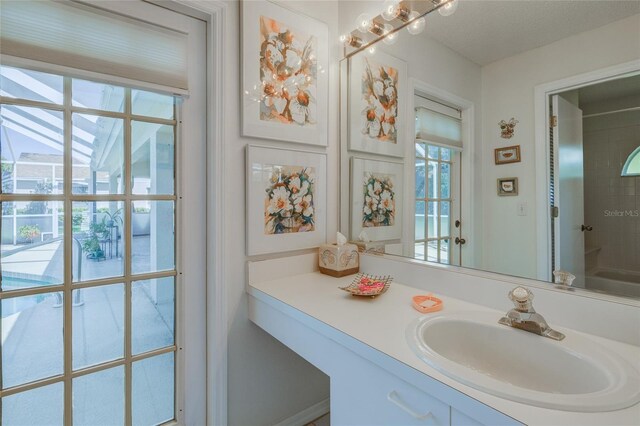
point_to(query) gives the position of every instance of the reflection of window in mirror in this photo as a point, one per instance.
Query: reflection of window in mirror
(438, 147)
(632, 165)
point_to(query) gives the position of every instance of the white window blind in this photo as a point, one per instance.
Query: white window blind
(438, 124)
(94, 40)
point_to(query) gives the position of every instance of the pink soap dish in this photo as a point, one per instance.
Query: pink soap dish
(427, 303)
(368, 285)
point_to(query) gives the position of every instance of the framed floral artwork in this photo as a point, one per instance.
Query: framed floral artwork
(377, 99)
(284, 74)
(376, 199)
(286, 199)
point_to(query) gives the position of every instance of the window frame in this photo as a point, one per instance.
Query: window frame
(635, 154)
(438, 239)
(66, 199)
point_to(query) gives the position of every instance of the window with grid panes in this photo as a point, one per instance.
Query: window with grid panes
(433, 167)
(88, 283)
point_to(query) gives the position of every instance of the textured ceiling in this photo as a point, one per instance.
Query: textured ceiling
(485, 31)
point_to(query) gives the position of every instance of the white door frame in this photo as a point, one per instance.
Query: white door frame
(542, 93)
(468, 126)
(214, 13)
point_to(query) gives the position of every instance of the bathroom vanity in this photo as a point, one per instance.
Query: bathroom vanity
(376, 377)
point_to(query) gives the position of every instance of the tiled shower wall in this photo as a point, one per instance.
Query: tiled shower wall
(612, 202)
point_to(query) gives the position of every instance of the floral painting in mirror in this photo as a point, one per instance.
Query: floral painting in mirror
(377, 198)
(377, 91)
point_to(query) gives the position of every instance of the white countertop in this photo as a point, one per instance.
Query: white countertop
(380, 323)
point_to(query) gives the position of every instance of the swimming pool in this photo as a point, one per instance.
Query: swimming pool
(10, 282)
(13, 305)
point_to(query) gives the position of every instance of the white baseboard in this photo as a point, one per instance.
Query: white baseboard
(307, 415)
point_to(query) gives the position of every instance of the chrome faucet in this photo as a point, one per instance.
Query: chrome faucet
(525, 317)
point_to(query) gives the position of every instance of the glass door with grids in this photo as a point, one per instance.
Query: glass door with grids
(437, 210)
(88, 257)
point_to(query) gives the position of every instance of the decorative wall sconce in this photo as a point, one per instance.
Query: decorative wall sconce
(398, 14)
(507, 128)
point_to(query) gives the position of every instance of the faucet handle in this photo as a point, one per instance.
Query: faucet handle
(521, 298)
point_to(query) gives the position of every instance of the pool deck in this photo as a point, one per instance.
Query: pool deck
(42, 261)
(45, 262)
(32, 340)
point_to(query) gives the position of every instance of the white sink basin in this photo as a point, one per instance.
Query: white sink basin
(575, 374)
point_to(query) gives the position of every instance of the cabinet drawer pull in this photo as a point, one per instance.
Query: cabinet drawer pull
(393, 397)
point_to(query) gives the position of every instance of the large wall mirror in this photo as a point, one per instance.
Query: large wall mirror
(503, 137)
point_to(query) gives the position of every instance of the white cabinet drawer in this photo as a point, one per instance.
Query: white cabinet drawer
(460, 419)
(367, 395)
(481, 418)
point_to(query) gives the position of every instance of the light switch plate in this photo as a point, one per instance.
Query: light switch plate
(522, 209)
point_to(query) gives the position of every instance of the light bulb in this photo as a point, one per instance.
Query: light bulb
(449, 8)
(417, 23)
(372, 50)
(390, 10)
(363, 22)
(389, 37)
(344, 38)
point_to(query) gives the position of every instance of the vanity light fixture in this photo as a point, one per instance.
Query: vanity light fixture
(390, 37)
(448, 8)
(417, 23)
(366, 24)
(391, 8)
(398, 14)
(351, 40)
(404, 14)
(363, 22)
(377, 28)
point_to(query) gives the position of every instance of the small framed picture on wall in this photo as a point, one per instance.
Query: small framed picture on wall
(507, 186)
(506, 155)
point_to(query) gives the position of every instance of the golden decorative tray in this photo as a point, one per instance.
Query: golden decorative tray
(368, 285)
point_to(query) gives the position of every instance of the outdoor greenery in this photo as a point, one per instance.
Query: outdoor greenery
(114, 218)
(29, 232)
(7, 184)
(97, 231)
(6, 167)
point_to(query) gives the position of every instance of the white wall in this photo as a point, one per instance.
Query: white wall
(266, 381)
(508, 91)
